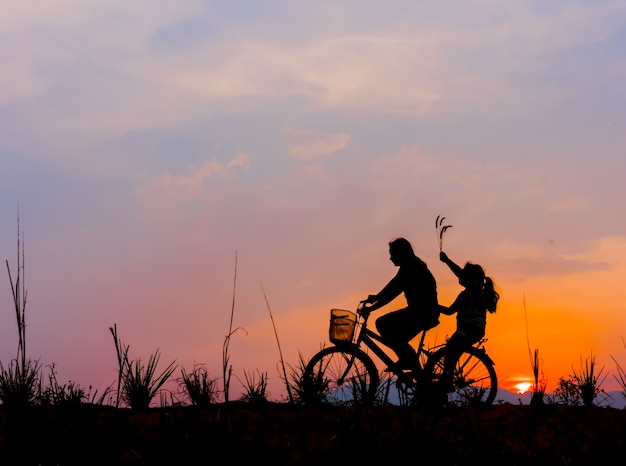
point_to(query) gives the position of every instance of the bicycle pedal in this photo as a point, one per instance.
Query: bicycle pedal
(406, 379)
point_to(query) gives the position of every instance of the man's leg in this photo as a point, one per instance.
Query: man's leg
(397, 329)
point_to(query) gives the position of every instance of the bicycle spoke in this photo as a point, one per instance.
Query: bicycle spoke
(346, 378)
(473, 380)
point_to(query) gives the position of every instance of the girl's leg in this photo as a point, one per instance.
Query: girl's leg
(455, 346)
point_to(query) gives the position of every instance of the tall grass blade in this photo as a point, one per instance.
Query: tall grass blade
(280, 352)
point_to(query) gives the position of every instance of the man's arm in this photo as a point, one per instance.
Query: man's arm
(384, 296)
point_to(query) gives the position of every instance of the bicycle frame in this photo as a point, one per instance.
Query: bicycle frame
(371, 340)
(474, 380)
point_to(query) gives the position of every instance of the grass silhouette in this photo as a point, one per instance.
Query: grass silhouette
(199, 388)
(138, 382)
(19, 381)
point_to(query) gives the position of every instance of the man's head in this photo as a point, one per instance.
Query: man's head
(399, 250)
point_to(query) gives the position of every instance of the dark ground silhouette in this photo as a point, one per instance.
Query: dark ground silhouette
(287, 435)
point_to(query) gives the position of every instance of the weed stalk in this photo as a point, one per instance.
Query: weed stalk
(280, 352)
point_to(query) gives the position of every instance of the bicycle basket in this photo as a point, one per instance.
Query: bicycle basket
(342, 325)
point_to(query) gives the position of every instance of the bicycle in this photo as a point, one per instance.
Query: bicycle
(344, 374)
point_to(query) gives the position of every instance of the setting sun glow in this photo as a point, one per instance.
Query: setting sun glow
(523, 387)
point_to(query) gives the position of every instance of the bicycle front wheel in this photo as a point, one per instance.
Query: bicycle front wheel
(474, 381)
(341, 376)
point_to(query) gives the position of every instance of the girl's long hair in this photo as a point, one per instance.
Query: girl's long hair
(477, 273)
(491, 295)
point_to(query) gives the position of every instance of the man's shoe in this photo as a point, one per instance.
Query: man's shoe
(445, 383)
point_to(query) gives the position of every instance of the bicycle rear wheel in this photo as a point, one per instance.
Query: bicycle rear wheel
(474, 381)
(341, 376)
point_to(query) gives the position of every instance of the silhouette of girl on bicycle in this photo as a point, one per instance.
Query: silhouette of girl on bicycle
(470, 306)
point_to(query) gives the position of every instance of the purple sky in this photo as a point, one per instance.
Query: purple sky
(149, 143)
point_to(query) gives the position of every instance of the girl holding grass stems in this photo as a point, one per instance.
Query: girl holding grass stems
(470, 306)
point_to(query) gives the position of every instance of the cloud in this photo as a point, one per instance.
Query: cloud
(608, 249)
(17, 82)
(78, 58)
(513, 250)
(305, 144)
(568, 202)
(165, 193)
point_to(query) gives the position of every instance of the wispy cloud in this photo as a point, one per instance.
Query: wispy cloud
(305, 144)
(165, 193)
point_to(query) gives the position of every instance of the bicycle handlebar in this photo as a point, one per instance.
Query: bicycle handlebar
(362, 310)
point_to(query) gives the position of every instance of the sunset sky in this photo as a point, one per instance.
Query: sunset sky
(154, 148)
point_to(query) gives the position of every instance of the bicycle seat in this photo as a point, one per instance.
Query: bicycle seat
(431, 324)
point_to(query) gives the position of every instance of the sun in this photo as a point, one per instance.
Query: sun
(523, 387)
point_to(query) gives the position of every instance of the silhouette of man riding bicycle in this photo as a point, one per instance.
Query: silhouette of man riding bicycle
(417, 283)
